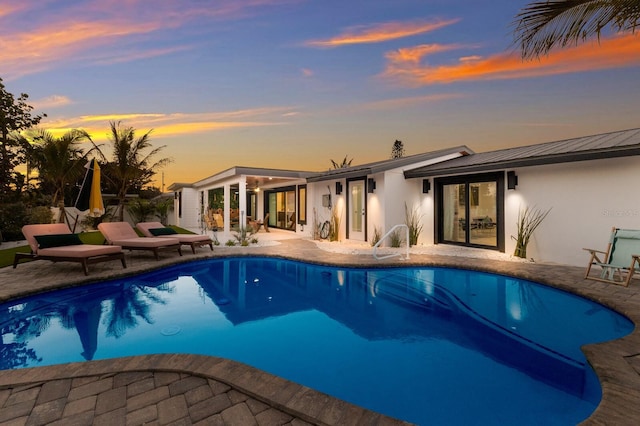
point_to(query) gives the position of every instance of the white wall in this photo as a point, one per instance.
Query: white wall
(315, 192)
(587, 199)
(190, 218)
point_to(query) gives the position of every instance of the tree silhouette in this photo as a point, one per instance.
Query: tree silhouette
(59, 161)
(132, 165)
(15, 116)
(397, 151)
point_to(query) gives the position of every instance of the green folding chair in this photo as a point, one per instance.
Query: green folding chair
(620, 262)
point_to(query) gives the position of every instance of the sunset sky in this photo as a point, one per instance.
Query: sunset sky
(293, 84)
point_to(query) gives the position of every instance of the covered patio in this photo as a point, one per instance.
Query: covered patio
(227, 201)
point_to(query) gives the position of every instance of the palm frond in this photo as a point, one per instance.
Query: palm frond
(544, 25)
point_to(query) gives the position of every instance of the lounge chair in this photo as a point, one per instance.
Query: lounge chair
(56, 242)
(123, 234)
(620, 261)
(156, 229)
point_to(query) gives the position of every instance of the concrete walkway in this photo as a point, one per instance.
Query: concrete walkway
(188, 389)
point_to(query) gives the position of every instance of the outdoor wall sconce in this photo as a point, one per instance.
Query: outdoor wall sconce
(426, 186)
(338, 188)
(512, 180)
(371, 185)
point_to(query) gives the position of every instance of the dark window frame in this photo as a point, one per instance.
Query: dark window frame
(300, 201)
(467, 180)
(268, 192)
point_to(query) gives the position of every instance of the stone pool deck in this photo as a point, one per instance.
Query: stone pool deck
(189, 389)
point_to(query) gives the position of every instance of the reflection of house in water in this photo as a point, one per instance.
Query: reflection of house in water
(254, 289)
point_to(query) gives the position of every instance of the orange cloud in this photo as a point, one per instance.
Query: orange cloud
(407, 65)
(176, 124)
(381, 32)
(8, 9)
(38, 50)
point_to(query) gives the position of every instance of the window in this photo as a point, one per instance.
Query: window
(302, 204)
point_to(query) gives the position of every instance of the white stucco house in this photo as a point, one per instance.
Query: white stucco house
(462, 197)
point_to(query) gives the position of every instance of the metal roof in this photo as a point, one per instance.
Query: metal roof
(606, 145)
(384, 165)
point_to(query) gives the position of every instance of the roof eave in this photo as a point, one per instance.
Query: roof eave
(527, 162)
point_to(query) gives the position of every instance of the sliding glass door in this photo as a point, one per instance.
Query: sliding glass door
(281, 206)
(470, 209)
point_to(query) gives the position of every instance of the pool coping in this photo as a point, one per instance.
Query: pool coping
(616, 363)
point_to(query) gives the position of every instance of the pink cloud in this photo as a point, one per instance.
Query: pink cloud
(381, 32)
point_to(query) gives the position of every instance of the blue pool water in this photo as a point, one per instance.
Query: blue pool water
(427, 345)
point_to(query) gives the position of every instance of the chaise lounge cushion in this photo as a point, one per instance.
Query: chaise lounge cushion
(57, 240)
(45, 229)
(158, 232)
(79, 251)
(150, 229)
(37, 237)
(122, 234)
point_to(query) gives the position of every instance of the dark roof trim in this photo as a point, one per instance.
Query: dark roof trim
(561, 152)
(382, 166)
(525, 162)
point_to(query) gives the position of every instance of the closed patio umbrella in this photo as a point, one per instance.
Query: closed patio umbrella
(90, 196)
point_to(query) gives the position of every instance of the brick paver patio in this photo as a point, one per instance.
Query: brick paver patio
(190, 389)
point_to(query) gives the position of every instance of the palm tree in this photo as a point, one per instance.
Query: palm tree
(345, 163)
(131, 166)
(543, 25)
(59, 161)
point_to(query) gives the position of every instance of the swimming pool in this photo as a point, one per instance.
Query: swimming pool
(428, 345)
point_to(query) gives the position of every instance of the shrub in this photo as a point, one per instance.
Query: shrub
(377, 234)
(140, 210)
(528, 220)
(396, 238)
(412, 220)
(162, 207)
(334, 228)
(92, 222)
(40, 214)
(243, 235)
(12, 217)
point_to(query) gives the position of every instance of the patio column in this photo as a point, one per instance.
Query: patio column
(227, 209)
(242, 201)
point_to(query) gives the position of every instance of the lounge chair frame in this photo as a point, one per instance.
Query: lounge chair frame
(612, 272)
(185, 239)
(85, 261)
